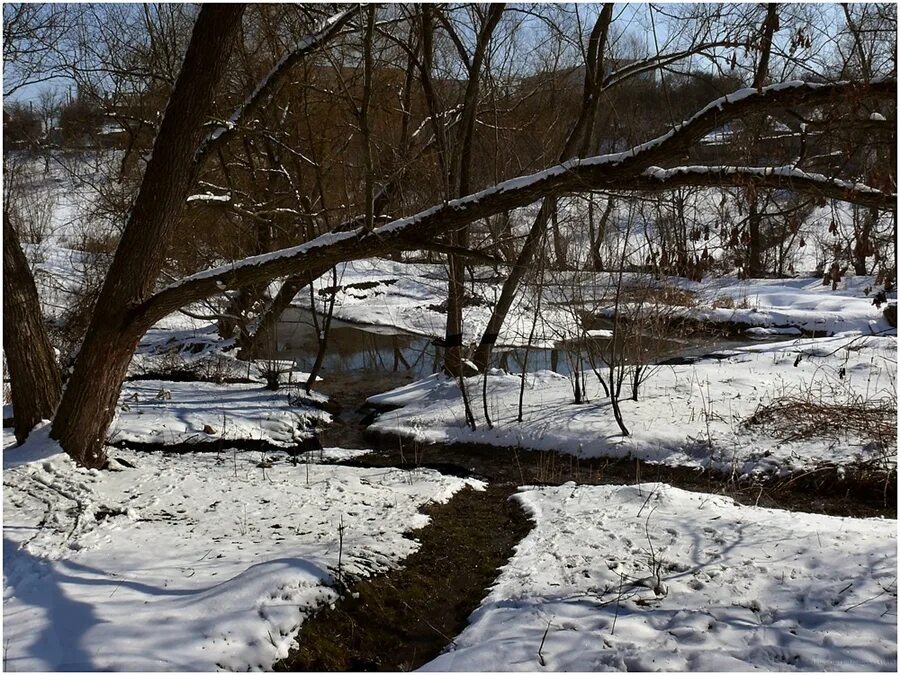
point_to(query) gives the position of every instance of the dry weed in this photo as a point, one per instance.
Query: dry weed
(791, 418)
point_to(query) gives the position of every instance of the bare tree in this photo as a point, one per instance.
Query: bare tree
(35, 379)
(92, 391)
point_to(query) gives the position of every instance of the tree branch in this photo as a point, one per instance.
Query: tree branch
(781, 177)
(577, 175)
(264, 90)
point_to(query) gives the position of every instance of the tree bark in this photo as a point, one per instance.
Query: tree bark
(34, 375)
(89, 402)
(460, 183)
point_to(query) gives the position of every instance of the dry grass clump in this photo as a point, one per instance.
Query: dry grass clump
(791, 418)
(659, 295)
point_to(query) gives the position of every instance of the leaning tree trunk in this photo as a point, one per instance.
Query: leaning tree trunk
(34, 375)
(577, 143)
(89, 402)
(460, 183)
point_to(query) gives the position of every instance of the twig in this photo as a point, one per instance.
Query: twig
(541, 648)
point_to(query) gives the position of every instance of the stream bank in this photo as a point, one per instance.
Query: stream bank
(405, 618)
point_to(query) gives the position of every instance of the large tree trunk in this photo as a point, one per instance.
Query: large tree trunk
(33, 372)
(754, 238)
(89, 402)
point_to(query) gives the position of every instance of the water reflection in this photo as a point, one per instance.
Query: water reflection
(354, 347)
(361, 348)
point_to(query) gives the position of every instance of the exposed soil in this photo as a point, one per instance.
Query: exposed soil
(858, 492)
(402, 620)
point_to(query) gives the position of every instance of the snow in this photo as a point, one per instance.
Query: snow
(256, 260)
(406, 296)
(189, 562)
(692, 415)
(209, 197)
(801, 303)
(737, 588)
(788, 172)
(174, 413)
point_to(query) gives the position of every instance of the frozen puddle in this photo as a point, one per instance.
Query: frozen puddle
(189, 562)
(655, 578)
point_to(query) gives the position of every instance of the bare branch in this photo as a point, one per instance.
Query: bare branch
(264, 90)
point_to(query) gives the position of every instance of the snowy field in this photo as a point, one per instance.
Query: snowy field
(690, 415)
(189, 562)
(649, 577)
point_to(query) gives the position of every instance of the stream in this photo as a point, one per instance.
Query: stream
(363, 360)
(376, 351)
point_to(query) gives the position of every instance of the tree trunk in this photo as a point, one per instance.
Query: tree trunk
(33, 372)
(559, 245)
(511, 284)
(460, 180)
(754, 239)
(89, 402)
(596, 256)
(576, 143)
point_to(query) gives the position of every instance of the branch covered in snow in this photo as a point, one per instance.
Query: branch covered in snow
(264, 89)
(779, 177)
(209, 197)
(624, 170)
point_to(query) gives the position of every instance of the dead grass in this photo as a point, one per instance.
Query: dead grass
(659, 295)
(791, 418)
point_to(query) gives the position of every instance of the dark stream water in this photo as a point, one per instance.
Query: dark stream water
(380, 352)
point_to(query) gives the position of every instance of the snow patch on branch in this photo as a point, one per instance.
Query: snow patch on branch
(304, 44)
(787, 172)
(209, 197)
(256, 260)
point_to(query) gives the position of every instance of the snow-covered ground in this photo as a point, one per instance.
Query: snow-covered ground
(649, 577)
(804, 304)
(205, 561)
(690, 415)
(412, 297)
(189, 562)
(172, 413)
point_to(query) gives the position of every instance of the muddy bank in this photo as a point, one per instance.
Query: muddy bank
(839, 491)
(403, 619)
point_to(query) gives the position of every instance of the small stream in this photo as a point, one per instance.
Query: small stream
(402, 619)
(364, 359)
(378, 352)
